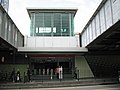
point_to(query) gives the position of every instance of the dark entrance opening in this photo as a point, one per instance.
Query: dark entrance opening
(41, 67)
(44, 68)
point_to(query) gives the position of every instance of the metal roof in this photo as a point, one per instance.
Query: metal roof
(52, 9)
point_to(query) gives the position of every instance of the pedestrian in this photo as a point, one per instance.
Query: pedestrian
(18, 76)
(28, 74)
(57, 72)
(75, 73)
(51, 73)
(12, 77)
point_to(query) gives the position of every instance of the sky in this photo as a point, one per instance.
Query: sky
(18, 12)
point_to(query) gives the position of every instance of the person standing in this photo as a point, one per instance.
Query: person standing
(18, 76)
(61, 73)
(51, 73)
(28, 74)
(13, 75)
(57, 72)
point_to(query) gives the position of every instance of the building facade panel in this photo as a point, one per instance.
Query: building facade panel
(48, 42)
(93, 29)
(73, 42)
(9, 31)
(108, 13)
(16, 39)
(61, 42)
(102, 20)
(90, 32)
(52, 42)
(97, 24)
(88, 37)
(116, 10)
(13, 35)
(1, 15)
(3, 25)
(31, 42)
(83, 40)
(6, 27)
(20, 39)
(40, 42)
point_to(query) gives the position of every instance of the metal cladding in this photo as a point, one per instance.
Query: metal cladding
(106, 15)
(5, 4)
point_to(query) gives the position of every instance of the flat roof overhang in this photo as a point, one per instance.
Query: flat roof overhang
(55, 9)
(53, 50)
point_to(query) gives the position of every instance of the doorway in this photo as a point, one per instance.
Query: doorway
(41, 67)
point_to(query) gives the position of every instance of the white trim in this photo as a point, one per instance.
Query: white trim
(52, 49)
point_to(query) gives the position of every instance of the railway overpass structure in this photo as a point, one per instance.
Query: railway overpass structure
(101, 36)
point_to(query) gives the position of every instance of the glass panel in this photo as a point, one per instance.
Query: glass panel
(47, 24)
(65, 25)
(72, 22)
(57, 24)
(39, 22)
(32, 24)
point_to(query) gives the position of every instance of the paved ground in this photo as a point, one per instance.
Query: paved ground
(95, 87)
(55, 84)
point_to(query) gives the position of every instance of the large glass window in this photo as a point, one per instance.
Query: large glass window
(51, 24)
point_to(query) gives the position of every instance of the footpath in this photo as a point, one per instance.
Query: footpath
(53, 84)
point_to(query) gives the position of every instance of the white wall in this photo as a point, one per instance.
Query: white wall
(52, 41)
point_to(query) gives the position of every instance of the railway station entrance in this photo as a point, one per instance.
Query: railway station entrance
(44, 67)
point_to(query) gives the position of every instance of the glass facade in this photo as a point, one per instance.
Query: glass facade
(52, 24)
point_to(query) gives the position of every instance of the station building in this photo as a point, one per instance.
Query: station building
(52, 42)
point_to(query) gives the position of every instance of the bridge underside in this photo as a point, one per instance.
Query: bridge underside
(104, 53)
(108, 41)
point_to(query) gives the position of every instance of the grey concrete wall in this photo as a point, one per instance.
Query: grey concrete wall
(83, 67)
